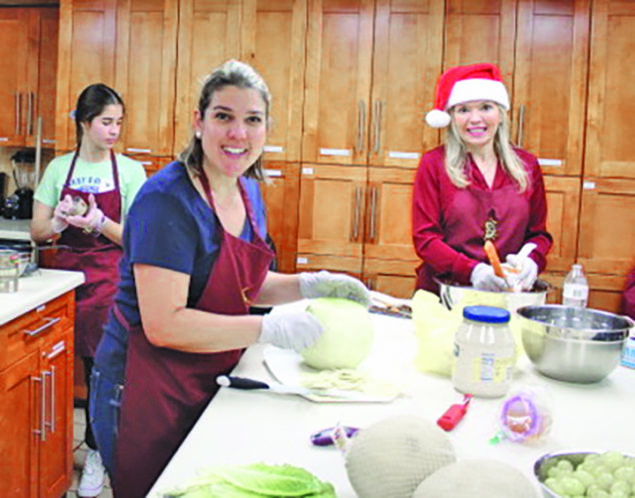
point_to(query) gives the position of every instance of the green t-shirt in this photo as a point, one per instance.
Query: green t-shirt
(91, 177)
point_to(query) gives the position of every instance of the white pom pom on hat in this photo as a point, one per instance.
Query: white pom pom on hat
(461, 84)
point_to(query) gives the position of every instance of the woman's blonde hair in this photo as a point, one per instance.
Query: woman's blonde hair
(231, 73)
(456, 154)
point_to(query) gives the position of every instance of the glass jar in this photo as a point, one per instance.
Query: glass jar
(484, 352)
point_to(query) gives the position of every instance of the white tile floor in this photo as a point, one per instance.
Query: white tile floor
(80, 454)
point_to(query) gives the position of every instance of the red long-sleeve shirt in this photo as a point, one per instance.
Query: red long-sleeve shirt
(449, 222)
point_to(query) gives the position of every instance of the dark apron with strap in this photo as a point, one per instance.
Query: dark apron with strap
(98, 257)
(166, 390)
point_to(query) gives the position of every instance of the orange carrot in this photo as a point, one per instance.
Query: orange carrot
(492, 256)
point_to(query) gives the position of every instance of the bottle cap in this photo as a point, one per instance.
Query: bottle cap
(487, 314)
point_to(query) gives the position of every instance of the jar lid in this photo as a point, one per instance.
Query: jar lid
(487, 314)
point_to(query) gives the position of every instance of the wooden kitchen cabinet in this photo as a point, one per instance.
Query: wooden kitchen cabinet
(563, 208)
(331, 211)
(607, 221)
(371, 71)
(550, 82)
(208, 35)
(358, 220)
(273, 41)
(145, 71)
(28, 58)
(86, 55)
(610, 127)
(36, 409)
(281, 195)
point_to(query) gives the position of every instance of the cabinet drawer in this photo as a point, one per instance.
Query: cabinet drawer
(26, 333)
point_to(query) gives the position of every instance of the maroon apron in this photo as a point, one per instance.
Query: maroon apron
(166, 390)
(465, 222)
(98, 257)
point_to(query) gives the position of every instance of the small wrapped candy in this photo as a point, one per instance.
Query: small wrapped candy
(525, 416)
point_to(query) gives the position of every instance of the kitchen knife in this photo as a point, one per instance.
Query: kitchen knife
(276, 387)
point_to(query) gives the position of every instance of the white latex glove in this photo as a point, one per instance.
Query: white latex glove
(295, 331)
(527, 271)
(325, 284)
(59, 221)
(484, 278)
(92, 221)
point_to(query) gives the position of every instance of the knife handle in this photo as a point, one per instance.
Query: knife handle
(240, 382)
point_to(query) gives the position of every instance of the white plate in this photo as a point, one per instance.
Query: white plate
(288, 368)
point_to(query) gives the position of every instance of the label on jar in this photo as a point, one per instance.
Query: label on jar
(489, 368)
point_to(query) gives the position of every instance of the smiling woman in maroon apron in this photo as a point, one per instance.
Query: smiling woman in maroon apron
(79, 202)
(194, 262)
(477, 187)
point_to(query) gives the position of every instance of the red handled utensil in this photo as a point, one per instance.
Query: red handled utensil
(454, 414)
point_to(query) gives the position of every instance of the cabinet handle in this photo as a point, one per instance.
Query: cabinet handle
(42, 430)
(358, 196)
(521, 124)
(51, 374)
(361, 124)
(49, 323)
(29, 111)
(377, 128)
(373, 217)
(139, 151)
(17, 112)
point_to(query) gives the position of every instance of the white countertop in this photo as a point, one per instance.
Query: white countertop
(15, 229)
(242, 427)
(35, 290)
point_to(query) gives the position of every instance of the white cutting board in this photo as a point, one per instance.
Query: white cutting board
(287, 367)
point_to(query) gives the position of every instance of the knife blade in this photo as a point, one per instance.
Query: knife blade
(276, 387)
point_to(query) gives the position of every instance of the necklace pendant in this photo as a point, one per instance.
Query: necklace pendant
(490, 227)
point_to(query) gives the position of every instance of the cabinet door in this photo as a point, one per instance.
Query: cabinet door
(607, 219)
(274, 43)
(56, 449)
(481, 31)
(13, 64)
(146, 71)
(208, 35)
(551, 66)
(20, 422)
(86, 55)
(395, 278)
(610, 128)
(389, 214)
(281, 198)
(337, 82)
(332, 206)
(46, 87)
(406, 63)
(563, 201)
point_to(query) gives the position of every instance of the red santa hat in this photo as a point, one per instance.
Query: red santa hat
(463, 84)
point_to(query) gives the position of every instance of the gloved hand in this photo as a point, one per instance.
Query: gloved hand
(325, 284)
(64, 207)
(295, 331)
(527, 271)
(484, 278)
(92, 221)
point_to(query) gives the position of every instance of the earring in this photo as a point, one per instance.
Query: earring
(198, 134)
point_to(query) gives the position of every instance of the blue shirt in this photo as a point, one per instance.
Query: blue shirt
(170, 226)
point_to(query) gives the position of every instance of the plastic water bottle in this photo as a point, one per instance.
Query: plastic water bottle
(576, 288)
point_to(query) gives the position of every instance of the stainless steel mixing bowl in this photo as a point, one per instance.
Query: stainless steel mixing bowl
(452, 294)
(573, 344)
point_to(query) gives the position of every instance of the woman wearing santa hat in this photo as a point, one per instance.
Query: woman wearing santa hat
(476, 187)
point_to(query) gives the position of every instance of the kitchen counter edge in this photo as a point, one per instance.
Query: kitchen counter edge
(35, 290)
